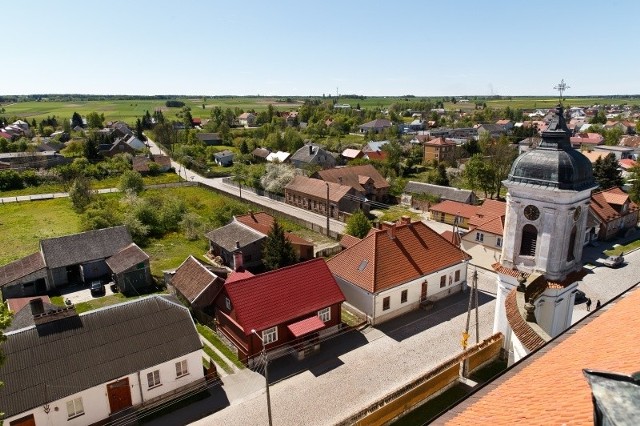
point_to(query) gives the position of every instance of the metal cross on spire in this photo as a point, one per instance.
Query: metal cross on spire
(561, 87)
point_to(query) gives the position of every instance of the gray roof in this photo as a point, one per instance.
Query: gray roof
(444, 192)
(227, 236)
(21, 268)
(84, 247)
(312, 153)
(127, 258)
(50, 361)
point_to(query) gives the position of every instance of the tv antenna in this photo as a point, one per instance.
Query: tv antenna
(561, 87)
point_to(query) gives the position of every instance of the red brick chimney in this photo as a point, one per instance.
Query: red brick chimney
(391, 229)
(405, 220)
(238, 260)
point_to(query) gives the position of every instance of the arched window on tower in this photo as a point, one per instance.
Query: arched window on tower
(529, 238)
(572, 245)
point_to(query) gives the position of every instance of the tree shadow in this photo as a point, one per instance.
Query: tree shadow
(417, 321)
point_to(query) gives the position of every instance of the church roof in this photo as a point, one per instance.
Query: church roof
(554, 164)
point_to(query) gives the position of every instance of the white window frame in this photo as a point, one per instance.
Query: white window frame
(270, 335)
(182, 368)
(153, 379)
(480, 237)
(404, 294)
(227, 303)
(325, 314)
(75, 408)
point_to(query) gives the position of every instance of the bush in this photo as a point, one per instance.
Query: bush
(131, 181)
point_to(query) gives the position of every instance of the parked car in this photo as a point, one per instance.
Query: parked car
(613, 261)
(97, 288)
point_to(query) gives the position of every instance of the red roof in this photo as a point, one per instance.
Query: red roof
(455, 208)
(603, 202)
(305, 326)
(286, 294)
(627, 163)
(238, 275)
(376, 155)
(549, 387)
(379, 262)
(262, 222)
(349, 240)
(440, 142)
(317, 188)
(20, 302)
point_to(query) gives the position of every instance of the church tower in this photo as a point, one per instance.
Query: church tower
(549, 189)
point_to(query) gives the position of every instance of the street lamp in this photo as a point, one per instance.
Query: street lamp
(266, 374)
(327, 183)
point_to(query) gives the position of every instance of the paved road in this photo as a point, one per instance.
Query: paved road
(217, 183)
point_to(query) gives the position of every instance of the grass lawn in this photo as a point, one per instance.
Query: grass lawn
(394, 213)
(617, 249)
(216, 359)
(208, 334)
(349, 318)
(24, 224)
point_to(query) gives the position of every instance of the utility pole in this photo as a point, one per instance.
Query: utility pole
(473, 300)
(327, 183)
(266, 375)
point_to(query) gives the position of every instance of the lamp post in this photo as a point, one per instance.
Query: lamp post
(327, 183)
(266, 375)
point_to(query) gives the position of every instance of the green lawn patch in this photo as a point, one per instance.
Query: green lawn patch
(217, 359)
(349, 318)
(618, 249)
(394, 213)
(209, 334)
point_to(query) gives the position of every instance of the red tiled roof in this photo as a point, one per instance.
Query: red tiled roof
(455, 208)
(601, 203)
(489, 210)
(379, 262)
(440, 142)
(192, 278)
(493, 226)
(508, 271)
(275, 297)
(630, 141)
(317, 188)
(351, 176)
(587, 139)
(548, 387)
(305, 326)
(20, 302)
(526, 334)
(376, 155)
(262, 222)
(627, 163)
(21, 267)
(348, 240)
(237, 276)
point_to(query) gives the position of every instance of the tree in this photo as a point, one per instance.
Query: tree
(80, 193)
(244, 148)
(634, 191)
(478, 174)
(607, 173)
(358, 224)
(277, 251)
(192, 226)
(500, 155)
(76, 120)
(131, 181)
(276, 177)
(438, 176)
(95, 120)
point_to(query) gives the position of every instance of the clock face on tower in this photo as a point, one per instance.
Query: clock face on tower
(531, 212)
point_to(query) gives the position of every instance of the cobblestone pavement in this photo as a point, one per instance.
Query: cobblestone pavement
(396, 353)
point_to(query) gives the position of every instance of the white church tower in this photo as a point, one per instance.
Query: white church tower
(549, 189)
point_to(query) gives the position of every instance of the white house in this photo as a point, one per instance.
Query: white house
(393, 270)
(65, 368)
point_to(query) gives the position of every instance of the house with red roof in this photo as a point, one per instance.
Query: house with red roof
(365, 179)
(586, 139)
(486, 229)
(395, 269)
(439, 149)
(447, 211)
(290, 309)
(614, 211)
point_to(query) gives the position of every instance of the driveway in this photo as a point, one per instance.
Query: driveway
(82, 293)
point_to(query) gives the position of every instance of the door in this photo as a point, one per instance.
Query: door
(423, 293)
(24, 421)
(119, 395)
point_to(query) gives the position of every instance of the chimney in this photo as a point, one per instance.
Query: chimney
(237, 244)
(37, 307)
(340, 180)
(310, 149)
(237, 261)
(405, 220)
(391, 229)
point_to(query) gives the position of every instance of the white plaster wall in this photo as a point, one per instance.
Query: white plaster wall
(483, 255)
(519, 351)
(554, 309)
(505, 284)
(95, 400)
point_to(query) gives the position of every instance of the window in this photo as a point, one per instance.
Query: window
(386, 303)
(74, 408)
(324, 314)
(498, 241)
(457, 275)
(479, 236)
(181, 368)
(572, 245)
(270, 335)
(403, 296)
(443, 281)
(227, 303)
(153, 379)
(529, 238)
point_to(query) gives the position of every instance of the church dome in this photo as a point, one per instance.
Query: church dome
(554, 164)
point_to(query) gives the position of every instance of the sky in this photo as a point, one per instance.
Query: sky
(310, 48)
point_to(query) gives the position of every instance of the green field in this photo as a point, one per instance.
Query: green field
(129, 110)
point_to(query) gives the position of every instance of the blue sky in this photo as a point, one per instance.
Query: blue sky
(375, 48)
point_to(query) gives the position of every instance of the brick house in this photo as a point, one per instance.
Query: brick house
(614, 211)
(439, 149)
(365, 179)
